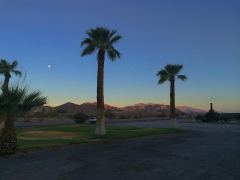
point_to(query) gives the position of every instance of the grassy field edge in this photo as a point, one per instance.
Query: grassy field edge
(60, 135)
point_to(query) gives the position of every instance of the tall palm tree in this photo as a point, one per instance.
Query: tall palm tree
(170, 73)
(6, 69)
(15, 102)
(102, 40)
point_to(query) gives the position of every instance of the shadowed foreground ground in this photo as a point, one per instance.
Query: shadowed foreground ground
(206, 152)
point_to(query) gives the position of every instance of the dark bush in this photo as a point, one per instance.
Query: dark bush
(61, 111)
(109, 114)
(80, 118)
(211, 117)
(224, 119)
(137, 116)
(199, 117)
(161, 115)
(208, 117)
(123, 117)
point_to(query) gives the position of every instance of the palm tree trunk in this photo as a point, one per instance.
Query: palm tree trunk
(8, 137)
(100, 124)
(2, 123)
(172, 103)
(6, 82)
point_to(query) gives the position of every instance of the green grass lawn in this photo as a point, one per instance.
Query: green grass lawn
(39, 138)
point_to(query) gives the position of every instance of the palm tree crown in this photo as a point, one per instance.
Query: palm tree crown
(7, 68)
(170, 73)
(19, 100)
(101, 39)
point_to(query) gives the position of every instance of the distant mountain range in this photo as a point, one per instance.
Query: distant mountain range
(187, 109)
(88, 108)
(148, 108)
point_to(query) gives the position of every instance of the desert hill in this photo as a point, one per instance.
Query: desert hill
(90, 108)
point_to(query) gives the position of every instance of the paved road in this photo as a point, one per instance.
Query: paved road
(207, 151)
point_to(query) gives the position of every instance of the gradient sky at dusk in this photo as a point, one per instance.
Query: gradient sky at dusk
(203, 35)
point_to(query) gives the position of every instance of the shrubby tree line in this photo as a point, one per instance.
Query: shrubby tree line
(218, 117)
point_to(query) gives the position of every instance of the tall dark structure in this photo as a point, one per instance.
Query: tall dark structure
(211, 108)
(211, 116)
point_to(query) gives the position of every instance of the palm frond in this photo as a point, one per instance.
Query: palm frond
(87, 42)
(115, 39)
(10, 100)
(117, 53)
(17, 73)
(182, 77)
(31, 100)
(14, 64)
(113, 54)
(113, 32)
(91, 34)
(4, 62)
(161, 72)
(173, 69)
(19, 100)
(163, 76)
(88, 50)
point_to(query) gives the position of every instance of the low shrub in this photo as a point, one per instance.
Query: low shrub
(199, 117)
(162, 115)
(109, 114)
(123, 117)
(208, 117)
(80, 118)
(211, 117)
(137, 116)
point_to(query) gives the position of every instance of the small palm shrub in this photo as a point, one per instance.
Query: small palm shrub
(15, 102)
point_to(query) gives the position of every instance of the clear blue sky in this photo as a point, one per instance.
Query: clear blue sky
(203, 35)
